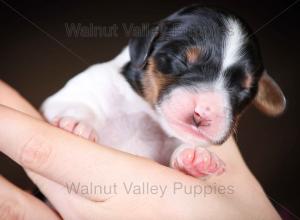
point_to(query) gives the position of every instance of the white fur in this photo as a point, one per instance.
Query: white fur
(233, 44)
(101, 97)
(218, 86)
(232, 53)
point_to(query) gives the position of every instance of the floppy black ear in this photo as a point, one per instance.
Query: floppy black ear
(269, 99)
(140, 47)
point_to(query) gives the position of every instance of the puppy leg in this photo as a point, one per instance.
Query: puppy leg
(75, 118)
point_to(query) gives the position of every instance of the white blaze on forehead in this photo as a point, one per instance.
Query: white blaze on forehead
(233, 43)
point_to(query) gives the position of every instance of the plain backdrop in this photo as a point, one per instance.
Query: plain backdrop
(37, 57)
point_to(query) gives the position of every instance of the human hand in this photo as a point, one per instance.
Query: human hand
(17, 204)
(52, 158)
(55, 159)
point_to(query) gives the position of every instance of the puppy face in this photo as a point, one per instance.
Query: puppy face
(199, 70)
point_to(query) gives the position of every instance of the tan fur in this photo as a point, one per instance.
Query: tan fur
(192, 54)
(154, 82)
(269, 98)
(247, 83)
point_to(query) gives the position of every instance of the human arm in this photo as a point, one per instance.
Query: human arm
(54, 158)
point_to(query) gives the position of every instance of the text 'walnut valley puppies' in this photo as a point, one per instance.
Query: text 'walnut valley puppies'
(170, 93)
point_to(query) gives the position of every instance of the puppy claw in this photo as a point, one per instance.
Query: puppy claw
(76, 127)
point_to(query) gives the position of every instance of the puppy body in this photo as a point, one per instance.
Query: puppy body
(102, 98)
(185, 84)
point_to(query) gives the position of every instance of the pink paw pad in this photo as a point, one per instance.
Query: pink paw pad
(199, 162)
(76, 127)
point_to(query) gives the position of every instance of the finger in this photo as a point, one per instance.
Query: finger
(67, 203)
(12, 99)
(17, 204)
(61, 156)
(125, 168)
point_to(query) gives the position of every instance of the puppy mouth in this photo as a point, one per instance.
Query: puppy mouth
(192, 130)
(196, 132)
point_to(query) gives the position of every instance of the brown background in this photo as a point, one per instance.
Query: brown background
(37, 66)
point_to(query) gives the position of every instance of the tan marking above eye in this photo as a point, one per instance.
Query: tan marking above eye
(154, 82)
(192, 54)
(247, 82)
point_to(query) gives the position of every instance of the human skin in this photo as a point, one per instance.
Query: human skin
(54, 158)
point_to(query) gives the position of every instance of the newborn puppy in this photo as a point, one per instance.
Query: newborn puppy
(173, 91)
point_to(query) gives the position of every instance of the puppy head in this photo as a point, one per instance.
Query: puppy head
(199, 70)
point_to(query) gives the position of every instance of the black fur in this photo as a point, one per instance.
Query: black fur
(205, 28)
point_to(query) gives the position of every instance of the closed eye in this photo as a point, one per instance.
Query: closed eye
(170, 63)
(178, 58)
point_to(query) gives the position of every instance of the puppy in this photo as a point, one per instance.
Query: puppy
(179, 88)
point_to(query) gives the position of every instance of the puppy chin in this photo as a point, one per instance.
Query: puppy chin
(185, 137)
(190, 139)
(174, 130)
(195, 142)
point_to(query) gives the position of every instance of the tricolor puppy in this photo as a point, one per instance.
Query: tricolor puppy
(170, 93)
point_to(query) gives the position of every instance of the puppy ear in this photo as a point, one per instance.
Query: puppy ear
(269, 99)
(140, 47)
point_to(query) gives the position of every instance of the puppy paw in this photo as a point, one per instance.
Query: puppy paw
(76, 127)
(197, 162)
